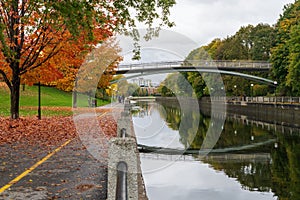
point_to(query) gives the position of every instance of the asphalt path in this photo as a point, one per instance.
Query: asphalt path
(63, 171)
(67, 171)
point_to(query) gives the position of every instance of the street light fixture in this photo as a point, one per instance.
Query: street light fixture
(252, 91)
(275, 83)
(235, 92)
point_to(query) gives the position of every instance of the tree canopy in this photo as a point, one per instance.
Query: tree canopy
(279, 44)
(286, 52)
(39, 34)
(248, 43)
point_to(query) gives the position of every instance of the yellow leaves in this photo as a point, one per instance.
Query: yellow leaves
(286, 24)
(102, 59)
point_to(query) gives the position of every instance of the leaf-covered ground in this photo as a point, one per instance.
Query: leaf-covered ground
(47, 131)
(71, 173)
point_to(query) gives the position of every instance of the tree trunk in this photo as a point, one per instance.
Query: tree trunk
(75, 99)
(15, 97)
(75, 95)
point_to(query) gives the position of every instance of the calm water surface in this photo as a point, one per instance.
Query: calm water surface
(251, 159)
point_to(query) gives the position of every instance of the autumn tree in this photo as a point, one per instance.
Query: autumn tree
(32, 32)
(72, 56)
(98, 68)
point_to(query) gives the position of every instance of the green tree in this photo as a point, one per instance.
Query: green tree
(133, 89)
(293, 76)
(248, 43)
(285, 53)
(262, 39)
(232, 48)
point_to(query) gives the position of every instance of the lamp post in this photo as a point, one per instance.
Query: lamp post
(39, 101)
(235, 92)
(90, 93)
(275, 83)
(252, 91)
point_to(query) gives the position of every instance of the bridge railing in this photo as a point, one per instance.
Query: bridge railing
(198, 63)
(287, 100)
(226, 63)
(151, 65)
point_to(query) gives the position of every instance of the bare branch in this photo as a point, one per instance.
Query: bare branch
(54, 51)
(32, 45)
(22, 25)
(6, 80)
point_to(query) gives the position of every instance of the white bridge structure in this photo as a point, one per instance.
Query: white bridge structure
(233, 68)
(235, 65)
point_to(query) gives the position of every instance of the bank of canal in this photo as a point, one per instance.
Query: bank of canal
(251, 159)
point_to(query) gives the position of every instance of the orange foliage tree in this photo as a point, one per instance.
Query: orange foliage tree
(98, 67)
(39, 34)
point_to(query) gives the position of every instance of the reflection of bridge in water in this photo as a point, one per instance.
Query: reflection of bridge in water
(224, 154)
(255, 157)
(283, 128)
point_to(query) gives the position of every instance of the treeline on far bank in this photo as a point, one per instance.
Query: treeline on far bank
(279, 44)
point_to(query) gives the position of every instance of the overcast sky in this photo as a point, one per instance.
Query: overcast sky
(204, 20)
(198, 22)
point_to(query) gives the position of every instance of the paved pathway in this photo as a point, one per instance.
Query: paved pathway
(71, 173)
(68, 171)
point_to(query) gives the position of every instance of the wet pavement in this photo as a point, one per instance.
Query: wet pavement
(71, 173)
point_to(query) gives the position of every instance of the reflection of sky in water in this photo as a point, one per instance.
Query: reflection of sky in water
(170, 180)
(193, 180)
(151, 129)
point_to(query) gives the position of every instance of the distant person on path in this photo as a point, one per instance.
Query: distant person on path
(123, 98)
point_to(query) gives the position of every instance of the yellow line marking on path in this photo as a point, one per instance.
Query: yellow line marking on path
(18, 178)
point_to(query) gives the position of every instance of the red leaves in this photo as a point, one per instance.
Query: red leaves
(108, 126)
(45, 132)
(48, 131)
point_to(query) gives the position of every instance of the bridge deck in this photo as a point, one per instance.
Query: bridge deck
(195, 65)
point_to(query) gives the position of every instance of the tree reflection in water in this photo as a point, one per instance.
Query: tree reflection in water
(280, 173)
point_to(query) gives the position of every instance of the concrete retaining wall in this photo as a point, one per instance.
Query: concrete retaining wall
(273, 113)
(125, 149)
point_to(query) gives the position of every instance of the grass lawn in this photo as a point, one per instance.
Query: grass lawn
(54, 102)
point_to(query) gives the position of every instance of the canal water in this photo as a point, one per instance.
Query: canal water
(249, 160)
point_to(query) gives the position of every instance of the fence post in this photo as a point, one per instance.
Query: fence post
(123, 132)
(121, 189)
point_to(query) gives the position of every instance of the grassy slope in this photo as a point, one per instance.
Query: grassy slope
(54, 102)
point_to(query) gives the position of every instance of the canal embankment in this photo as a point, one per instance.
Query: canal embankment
(240, 160)
(275, 112)
(125, 179)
